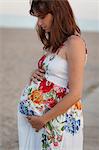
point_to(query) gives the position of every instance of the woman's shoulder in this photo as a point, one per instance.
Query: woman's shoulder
(75, 46)
(74, 41)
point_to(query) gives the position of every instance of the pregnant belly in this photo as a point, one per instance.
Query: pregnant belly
(37, 99)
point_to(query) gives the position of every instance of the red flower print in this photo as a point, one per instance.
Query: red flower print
(55, 143)
(61, 93)
(51, 102)
(59, 138)
(40, 62)
(46, 86)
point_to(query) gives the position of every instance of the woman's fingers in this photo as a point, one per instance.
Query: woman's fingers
(28, 117)
(42, 70)
(34, 79)
(36, 122)
(38, 74)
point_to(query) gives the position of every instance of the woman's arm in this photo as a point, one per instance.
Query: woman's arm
(76, 61)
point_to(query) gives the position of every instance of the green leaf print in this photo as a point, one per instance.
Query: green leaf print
(50, 95)
(49, 126)
(62, 128)
(45, 145)
(29, 91)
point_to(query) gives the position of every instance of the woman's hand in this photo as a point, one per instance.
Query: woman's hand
(37, 122)
(38, 74)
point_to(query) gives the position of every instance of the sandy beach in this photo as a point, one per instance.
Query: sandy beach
(20, 50)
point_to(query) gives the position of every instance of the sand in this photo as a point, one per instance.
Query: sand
(20, 50)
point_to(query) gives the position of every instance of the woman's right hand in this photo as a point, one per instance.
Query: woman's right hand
(37, 75)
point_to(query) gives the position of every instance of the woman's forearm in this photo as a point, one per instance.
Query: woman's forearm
(61, 107)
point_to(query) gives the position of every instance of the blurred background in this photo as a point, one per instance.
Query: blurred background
(20, 49)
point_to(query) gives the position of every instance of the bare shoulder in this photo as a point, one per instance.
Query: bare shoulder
(76, 46)
(75, 41)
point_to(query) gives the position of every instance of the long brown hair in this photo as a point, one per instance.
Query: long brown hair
(64, 24)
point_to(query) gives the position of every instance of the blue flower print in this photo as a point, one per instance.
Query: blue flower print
(72, 124)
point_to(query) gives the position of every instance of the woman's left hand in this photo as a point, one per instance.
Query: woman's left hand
(37, 122)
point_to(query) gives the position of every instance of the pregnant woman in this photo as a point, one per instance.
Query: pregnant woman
(50, 109)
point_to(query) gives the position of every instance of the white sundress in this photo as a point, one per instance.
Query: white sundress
(62, 133)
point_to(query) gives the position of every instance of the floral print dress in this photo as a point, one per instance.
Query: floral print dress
(62, 133)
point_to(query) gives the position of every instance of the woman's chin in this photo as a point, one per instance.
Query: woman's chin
(46, 30)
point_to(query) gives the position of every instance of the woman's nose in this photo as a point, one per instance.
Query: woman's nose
(39, 22)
